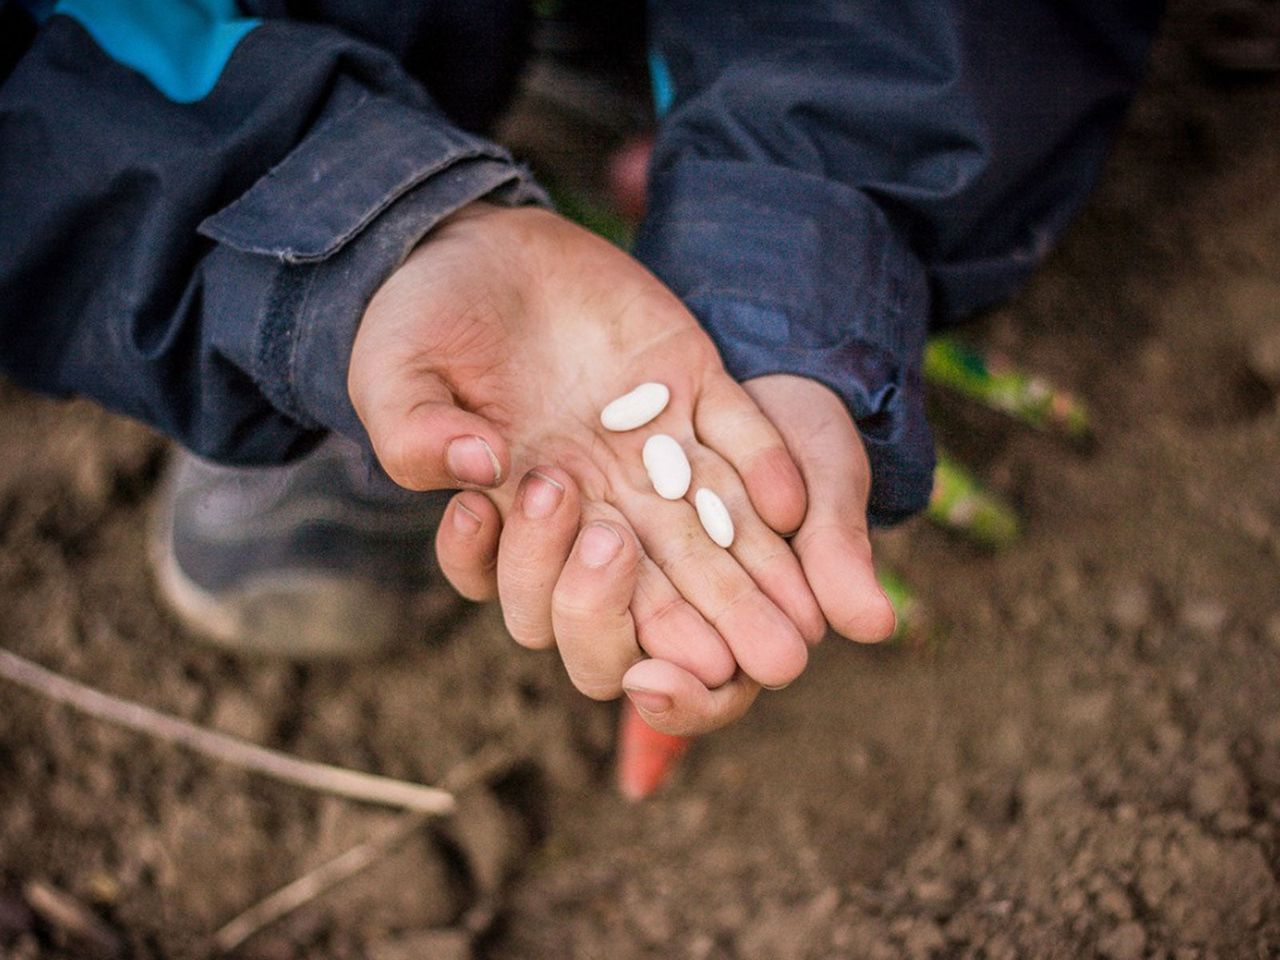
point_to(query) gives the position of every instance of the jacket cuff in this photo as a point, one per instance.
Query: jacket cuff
(793, 273)
(313, 240)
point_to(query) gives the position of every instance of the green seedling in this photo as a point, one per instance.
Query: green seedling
(597, 217)
(961, 503)
(999, 385)
(903, 599)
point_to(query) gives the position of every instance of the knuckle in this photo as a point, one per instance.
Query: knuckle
(839, 533)
(580, 602)
(770, 554)
(396, 454)
(682, 553)
(802, 539)
(731, 597)
(650, 617)
(574, 607)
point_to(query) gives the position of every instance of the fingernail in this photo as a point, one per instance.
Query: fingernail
(465, 521)
(470, 461)
(650, 701)
(600, 543)
(781, 686)
(541, 495)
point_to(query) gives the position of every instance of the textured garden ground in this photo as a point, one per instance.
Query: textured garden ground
(1082, 758)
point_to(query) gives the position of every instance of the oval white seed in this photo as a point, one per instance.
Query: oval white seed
(636, 408)
(668, 467)
(714, 516)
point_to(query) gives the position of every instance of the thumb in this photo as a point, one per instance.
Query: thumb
(422, 438)
(833, 542)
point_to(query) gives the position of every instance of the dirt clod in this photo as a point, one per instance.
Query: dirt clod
(1125, 942)
(424, 945)
(1264, 353)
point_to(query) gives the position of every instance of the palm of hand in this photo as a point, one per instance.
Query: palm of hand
(532, 325)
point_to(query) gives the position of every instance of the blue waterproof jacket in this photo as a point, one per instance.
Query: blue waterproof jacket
(199, 197)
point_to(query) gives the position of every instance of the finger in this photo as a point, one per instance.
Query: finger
(669, 628)
(467, 545)
(728, 421)
(591, 612)
(661, 623)
(421, 437)
(672, 700)
(764, 555)
(764, 642)
(536, 540)
(833, 542)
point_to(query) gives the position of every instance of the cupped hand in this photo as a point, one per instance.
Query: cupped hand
(484, 362)
(832, 544)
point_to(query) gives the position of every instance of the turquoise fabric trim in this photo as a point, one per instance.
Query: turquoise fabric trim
(181, 46)
(664, 88)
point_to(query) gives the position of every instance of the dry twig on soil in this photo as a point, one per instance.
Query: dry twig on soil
(321, 777)
(483, 765)
(64, 912)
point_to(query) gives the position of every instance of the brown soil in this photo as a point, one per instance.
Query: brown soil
(1084, 759)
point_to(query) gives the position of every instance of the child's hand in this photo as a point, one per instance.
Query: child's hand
(490, 353)
(832, 545)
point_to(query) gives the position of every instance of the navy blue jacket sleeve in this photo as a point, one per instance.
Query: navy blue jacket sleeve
(831, 176)
(468, 53)
(196, 207)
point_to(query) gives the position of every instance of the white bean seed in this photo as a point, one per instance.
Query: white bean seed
(636, 408)
(668, 467)
(714, 516)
